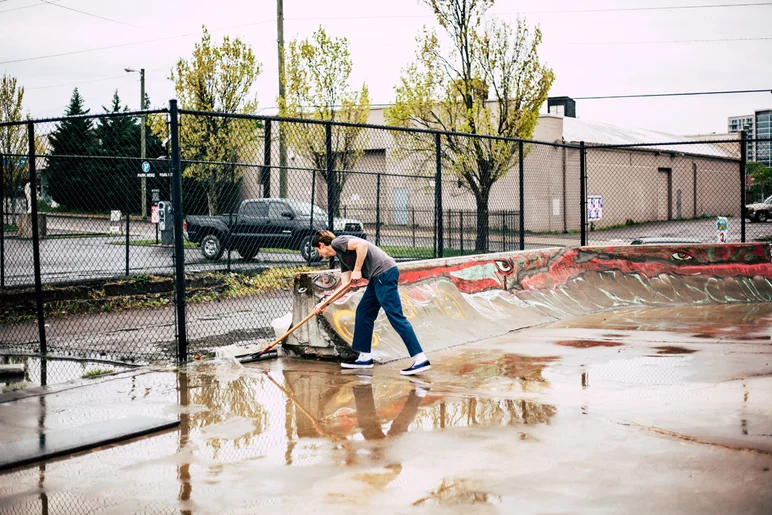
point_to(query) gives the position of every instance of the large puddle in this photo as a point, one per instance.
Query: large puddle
(550, 419)
(50, 371)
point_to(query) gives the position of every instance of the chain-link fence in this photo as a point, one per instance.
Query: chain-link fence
(90, 268)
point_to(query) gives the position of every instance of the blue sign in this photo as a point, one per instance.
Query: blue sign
(145, 166)
(14, 161)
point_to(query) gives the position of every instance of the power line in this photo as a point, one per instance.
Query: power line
(768, 90)
(24, 7)
(673, 41)
(635, 9)
(128, 44)
(567, 11)
(78, 83)
(92, 15)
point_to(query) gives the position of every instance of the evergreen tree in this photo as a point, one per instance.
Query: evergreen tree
(115, 170)
(70, 166)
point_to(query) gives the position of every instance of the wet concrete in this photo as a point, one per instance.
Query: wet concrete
(635, 411)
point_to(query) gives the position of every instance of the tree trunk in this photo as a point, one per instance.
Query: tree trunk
(481, 242)
(211, 200)
(336, 194)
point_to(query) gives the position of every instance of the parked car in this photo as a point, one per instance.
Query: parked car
(265, 223)
(760, 211)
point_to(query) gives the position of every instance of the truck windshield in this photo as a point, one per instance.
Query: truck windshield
(304, 209)
(768, 201)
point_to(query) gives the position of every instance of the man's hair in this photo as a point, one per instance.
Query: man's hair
(325, 237)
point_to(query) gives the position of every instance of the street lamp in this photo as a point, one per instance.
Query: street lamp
(141, 72)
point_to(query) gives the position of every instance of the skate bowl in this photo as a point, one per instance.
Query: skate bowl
(465, 299)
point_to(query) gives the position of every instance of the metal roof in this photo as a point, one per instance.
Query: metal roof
(599, 133)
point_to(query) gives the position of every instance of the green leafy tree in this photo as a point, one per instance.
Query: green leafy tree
(761, 178)
(490, 82)
(70, 162)
(317, 72)
(13, 138)
(216, 78)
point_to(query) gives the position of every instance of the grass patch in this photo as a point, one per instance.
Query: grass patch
(96, 372)
(77, 235)
(233, 285)
(550, 233)
(10, 227)
(147, 291)
(45, 208)
(149, 243)
(16, 387)
(423, 252)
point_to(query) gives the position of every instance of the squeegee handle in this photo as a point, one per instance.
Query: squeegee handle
(326, 303)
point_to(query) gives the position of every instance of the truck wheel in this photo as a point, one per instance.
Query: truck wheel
(762, 216)
(307, 252)
(211, 248)
(247, 253)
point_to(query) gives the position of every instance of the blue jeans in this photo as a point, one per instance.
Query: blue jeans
(382, 292)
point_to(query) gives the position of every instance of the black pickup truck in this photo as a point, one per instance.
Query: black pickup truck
(265, 223)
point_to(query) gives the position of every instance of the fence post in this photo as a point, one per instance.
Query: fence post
(378, 209)
(265, 173)
(127, 235)
(521, 221)
(461, 229)
(582, 193)
(230, 232)
(413, 224)
(438, 193)
(313, 197)
(2, 221)
(179, 249)
(33, 181)
(503, 231)
(449, 218)
(743, 166)
(330, 181)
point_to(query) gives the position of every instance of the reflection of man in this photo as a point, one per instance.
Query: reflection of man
(367, 419)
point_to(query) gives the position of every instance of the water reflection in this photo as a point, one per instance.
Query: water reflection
(455, 493)
(227, 393)
(338, 407)
(742, 319)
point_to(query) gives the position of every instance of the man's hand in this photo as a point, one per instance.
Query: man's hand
(319, 309)
(356, 275)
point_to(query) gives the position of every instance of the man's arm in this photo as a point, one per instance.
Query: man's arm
(361, 249)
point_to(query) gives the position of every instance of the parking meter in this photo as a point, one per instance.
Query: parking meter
(162, 221)
(165, 222)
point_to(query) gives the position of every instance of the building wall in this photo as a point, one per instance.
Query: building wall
(631, 183)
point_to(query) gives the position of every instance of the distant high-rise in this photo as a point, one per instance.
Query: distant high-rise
(758, 126)
(763, 125)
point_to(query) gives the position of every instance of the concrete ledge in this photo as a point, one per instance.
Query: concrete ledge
(12, 370)
(24, 224)
(51, 444)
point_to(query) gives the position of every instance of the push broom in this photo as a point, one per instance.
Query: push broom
(255, 356)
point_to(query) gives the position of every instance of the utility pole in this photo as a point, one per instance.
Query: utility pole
(142, 134)
(282, 144)
(142, 142)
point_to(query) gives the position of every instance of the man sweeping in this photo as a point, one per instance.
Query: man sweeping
(360, 258)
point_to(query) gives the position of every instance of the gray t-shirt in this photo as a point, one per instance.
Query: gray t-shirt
(376, 260)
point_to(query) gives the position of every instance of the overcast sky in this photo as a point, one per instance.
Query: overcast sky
(605, 52)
